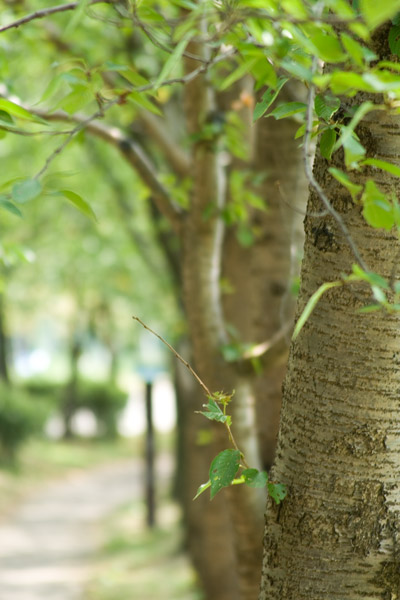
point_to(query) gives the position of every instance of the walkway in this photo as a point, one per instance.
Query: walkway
(47, 545)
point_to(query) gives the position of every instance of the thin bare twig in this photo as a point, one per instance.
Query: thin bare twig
(45, 12)
(203, 385)
(304, 213)
(310, 175)
(84, 123)
(100, 113)
(159, 44)
(265, 347)
(175, 353)
(26, 133)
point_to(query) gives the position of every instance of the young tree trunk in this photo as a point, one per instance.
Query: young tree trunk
(336, 535)
(69, 404)
(4, 344)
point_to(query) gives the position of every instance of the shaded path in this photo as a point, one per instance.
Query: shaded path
(47, 544)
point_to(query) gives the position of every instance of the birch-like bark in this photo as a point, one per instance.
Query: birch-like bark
(336, 535)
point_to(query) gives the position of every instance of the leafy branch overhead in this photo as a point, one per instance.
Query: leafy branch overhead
(325, 48)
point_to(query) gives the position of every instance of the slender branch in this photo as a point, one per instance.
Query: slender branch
(303, 213)
(310, 175)
(173, 154)
(133, 154)
(159, 44)
(175, 353)
(81, 125)
(46, 12)
(319, 19)
(201, 382)
(269, 346)
(26, 133)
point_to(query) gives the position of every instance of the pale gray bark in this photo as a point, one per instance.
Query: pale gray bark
(336, 535)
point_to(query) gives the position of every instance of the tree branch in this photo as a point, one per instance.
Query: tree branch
(272, 350)
(45, 12)
(134, 155)
(173, 154)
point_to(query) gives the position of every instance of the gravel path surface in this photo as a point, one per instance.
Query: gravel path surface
(47, 544)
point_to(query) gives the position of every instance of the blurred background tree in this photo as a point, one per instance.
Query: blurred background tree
(190, 229)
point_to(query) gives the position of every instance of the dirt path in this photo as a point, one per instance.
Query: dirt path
(47, 544)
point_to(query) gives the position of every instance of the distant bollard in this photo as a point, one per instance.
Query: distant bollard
(150, 480)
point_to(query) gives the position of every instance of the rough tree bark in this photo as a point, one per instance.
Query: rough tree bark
(336, 535)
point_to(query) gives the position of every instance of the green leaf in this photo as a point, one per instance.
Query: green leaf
(255, 478)
(77, 99)
(329, 47)
(202, 488)
(134, 77)
(375, 13)
(286, 110)
(277, 491)
(214, 412)
(382, 81)
(171, 62)
(245, 235)
(26, 190)
(353, 188)
(327, 142)
(267, 99)
(77, 17)
(223, 470)
(301, 131)
(16, 110)
(326, 106)
(79, 203)
(370, 308)
(382, 164)
(143, 101)
(354, 50)
(378, 210)
(379, 294)
(296, 69)
(311, 304)
(369, 276)
(295, 8)
(353, 152)
(394, 40)
(238, 73)
(10, 207)
(343, 82)
(347, 131)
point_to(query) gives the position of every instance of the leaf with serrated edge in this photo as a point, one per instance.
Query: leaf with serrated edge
(213, 412)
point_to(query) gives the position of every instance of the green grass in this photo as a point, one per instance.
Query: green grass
(142, 563)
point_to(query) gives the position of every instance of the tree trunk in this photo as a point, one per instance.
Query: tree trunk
(336, 535)
(4, 344)
(69, 404)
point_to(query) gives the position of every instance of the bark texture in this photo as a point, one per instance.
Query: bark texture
(336, 535)
(203, 248)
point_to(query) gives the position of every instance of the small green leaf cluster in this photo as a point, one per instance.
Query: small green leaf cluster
(229, 466)
(224, 472)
